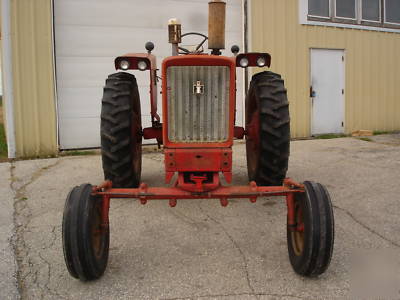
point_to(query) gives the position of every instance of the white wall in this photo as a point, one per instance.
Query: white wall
(89, 34)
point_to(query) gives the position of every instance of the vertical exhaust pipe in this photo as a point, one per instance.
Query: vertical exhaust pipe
(216, 26)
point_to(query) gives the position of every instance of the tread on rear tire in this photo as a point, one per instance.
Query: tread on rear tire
(268, 140)
(121, 131)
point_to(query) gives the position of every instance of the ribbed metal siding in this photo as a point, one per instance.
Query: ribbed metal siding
(372, 63)
(34, 104)
(194, 118)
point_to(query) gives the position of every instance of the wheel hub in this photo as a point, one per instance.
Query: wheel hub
(297, 234)
(98, 232)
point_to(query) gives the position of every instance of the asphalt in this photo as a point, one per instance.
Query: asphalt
(200, 250)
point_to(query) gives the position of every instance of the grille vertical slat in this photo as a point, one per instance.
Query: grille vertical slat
(195, 117)
(203, 105)
(221, 107)
(187, 118)
(208, 102)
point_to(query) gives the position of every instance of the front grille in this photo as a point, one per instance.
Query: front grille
(198, 117)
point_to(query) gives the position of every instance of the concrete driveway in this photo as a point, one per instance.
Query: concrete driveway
(200, 250)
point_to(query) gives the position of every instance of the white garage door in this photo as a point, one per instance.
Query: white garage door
(89, 34)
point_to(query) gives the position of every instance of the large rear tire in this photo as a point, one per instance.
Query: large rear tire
(85, 240)
(268, 129)
(121, 131)
(310, 243)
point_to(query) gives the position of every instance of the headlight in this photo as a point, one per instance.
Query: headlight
(142, 65)
(124, 64)
(244, 62)
(261, 61)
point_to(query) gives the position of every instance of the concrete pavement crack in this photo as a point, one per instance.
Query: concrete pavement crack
(235, 244)
(182, 217)
(46, 284)
(20, 191)
(14, 241)
(21, 218)
(367, 227)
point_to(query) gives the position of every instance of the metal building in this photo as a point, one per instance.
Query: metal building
(339, 58)
(346, 53)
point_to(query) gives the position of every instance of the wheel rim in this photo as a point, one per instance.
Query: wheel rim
(98, 231)
(297, 235)
(252, 136)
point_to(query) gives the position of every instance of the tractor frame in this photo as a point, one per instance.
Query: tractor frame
(193, 167)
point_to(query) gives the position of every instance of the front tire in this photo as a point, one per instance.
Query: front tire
(121, 131)
(85, 240)
(268, 129)
(310, 243)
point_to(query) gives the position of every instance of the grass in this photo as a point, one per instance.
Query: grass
(382, 132)
(330, 136)
(78, 153)
(365, 139)
(3, 143)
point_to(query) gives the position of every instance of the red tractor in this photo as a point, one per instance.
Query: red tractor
(197, 133)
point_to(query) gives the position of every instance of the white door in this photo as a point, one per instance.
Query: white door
(89, 34)
(327, 91)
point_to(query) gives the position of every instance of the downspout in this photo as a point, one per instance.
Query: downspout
(8, 76)
(55, 73)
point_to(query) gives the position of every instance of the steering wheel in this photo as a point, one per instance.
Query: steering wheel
(186, 51)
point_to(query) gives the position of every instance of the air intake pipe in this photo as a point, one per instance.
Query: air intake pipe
(216, 26)
(174, 34)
